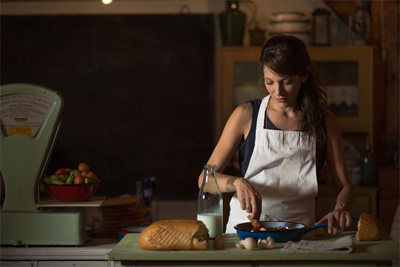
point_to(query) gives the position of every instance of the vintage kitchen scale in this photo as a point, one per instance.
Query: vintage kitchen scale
(30, 118)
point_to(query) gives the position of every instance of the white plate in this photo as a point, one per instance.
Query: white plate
(292, 26)
(288, 16)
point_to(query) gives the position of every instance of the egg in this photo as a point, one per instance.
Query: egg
(266, 243)
(240, 244)
(249, 243)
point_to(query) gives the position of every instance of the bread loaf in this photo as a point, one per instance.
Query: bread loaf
(174, 235)
(369, 228)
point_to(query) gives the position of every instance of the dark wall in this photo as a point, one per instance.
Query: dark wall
(138, 93)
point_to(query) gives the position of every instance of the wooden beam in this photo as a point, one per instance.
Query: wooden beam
(385, 40)
(342, 9)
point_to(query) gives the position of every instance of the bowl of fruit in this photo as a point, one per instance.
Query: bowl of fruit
(72, 185)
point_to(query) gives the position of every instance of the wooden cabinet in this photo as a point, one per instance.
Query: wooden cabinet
(365, 201)
(347, 70)
(381, 201)
(388, 196)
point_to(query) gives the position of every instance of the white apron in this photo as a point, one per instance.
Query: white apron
(282, 169)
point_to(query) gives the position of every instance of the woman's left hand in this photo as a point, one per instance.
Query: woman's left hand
(337, 221)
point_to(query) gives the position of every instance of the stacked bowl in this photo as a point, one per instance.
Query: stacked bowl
(291, 23)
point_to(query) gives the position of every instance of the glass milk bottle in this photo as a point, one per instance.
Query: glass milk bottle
(209, 202)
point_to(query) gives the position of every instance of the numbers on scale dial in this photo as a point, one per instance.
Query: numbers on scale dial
(23, 113)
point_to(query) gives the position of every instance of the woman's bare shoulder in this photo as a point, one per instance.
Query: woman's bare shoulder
(332, 126)
(240, 119)
(244, 109)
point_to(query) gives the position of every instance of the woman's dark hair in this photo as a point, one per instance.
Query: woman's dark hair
(287, 55)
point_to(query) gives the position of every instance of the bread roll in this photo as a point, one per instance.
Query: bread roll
(174, 235)
(369, 228)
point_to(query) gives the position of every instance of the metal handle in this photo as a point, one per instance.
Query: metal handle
(325, 224)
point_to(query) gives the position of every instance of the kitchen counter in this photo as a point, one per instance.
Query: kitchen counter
(90, 254)
(366, 253)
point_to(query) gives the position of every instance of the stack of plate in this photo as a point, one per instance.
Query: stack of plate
(291, 23)
(121, 212)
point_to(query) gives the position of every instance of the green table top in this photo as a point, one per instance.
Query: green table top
(128, 250)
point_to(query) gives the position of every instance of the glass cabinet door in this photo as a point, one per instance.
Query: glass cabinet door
(341, 79)
(248, 82)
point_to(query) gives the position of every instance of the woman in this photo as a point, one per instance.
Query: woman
(284, 140)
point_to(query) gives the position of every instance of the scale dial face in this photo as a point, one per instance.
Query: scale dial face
(23, 113)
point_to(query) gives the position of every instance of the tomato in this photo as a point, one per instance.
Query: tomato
(83, 167)
(78, 179)
(85, 174)
(60, 171)
(92, 176)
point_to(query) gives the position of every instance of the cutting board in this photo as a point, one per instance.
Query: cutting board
(128, 250)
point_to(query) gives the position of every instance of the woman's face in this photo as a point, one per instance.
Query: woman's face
(283, 89)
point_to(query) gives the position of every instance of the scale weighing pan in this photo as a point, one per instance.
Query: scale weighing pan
(30, 118)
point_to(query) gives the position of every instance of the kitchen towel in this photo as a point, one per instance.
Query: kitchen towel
(341, 245)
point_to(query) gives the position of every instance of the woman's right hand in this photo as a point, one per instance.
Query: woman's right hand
(249, 198)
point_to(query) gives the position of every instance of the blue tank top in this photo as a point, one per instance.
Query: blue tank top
(247, 146)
